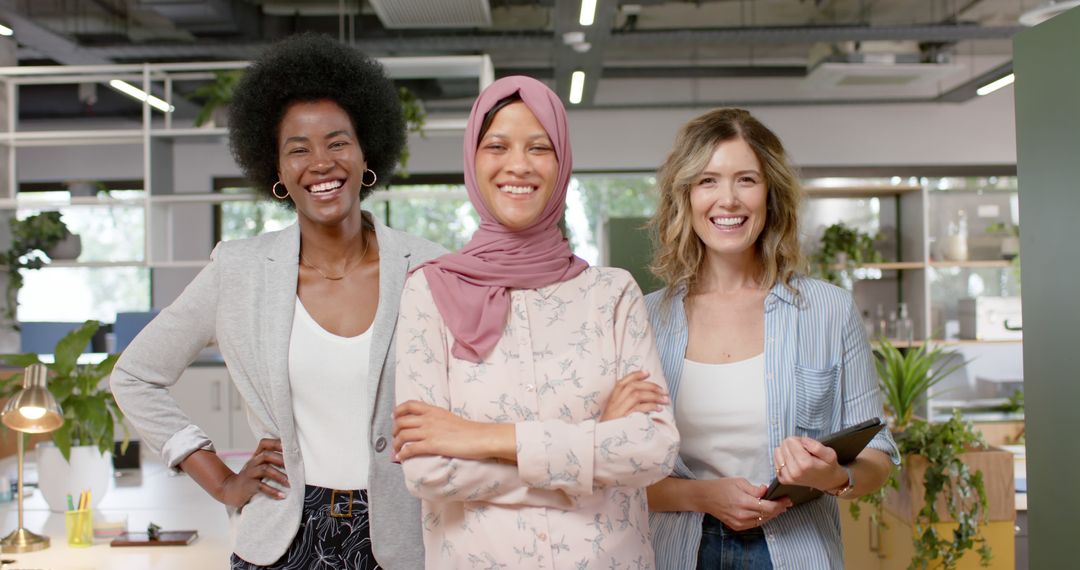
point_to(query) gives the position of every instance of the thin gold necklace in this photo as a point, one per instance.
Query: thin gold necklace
(345, 271)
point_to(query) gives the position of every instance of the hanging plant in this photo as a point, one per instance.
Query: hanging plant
(941, 444)
(30, 239)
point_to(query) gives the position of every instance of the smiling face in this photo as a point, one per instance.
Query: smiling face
(320, 162)
(516, 167)
(728, 201)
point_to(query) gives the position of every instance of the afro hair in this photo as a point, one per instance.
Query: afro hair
(306, 68)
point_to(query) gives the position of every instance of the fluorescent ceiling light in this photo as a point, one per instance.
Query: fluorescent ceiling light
(995, 85)
(577, 86)
(6, 31)
(132, 91)
(588, 12)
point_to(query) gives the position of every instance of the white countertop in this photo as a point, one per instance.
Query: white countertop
(171, 502)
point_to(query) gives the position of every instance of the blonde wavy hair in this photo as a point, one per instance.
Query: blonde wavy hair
(679, 253)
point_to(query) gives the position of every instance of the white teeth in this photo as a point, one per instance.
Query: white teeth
(325, 186)
(516, 189)
(729, 221)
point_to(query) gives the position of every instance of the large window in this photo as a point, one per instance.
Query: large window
(442, 212)
(105, 279)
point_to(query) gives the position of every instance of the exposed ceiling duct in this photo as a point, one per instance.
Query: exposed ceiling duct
(422, 14)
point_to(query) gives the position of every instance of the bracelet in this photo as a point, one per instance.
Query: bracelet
(847, 488)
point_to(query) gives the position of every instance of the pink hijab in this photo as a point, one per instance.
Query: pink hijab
(471, 287)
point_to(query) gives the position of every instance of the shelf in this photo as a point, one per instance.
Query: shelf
(884, 266)
(187, 263)
(35, 203)
(202, 198)
(91, 264)
(980, 264)
(951, 342)
(72, 138)
(965, 342)
(181, 264)
(195, 133)
(893, 265)
(913, 344)
(858, 191)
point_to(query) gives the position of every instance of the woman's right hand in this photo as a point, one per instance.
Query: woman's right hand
(634, 393)
(738, 503)
(267, 463)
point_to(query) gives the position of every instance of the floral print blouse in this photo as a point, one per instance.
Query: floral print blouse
(576, 498)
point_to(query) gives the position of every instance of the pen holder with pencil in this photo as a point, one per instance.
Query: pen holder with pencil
(80, 528)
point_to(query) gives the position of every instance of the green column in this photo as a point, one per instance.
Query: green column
(1047, 67)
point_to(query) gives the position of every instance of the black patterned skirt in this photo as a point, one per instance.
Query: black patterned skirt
(333, 534)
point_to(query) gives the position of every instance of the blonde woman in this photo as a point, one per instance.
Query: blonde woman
(761, 361)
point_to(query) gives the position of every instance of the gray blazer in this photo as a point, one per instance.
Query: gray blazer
(243, 301)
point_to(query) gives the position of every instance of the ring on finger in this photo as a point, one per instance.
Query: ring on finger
(759, 518)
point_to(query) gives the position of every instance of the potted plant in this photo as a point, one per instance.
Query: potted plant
(905, 378)
(81, 456)
(30, 238)
(215, 96)
(939, 494)
(842, 248)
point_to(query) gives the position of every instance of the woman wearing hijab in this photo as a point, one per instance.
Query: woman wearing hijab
(534, 411)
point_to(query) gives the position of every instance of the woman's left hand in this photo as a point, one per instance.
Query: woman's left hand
(423, 429)
(807, 462)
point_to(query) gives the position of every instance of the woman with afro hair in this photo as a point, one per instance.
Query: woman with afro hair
(304, 318)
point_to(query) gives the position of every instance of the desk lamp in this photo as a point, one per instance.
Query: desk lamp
(32, 410)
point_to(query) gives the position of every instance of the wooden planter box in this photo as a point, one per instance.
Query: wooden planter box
(892, 548)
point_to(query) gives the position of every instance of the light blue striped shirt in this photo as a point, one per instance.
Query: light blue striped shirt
(819, 378)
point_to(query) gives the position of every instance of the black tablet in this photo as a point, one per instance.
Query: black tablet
(847, 443)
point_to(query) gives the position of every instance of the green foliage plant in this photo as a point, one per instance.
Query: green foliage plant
(905, 377)
(217, 93)
(857, 247)
(965, 492)
(412, 108)
(90, 411)
(30, 238)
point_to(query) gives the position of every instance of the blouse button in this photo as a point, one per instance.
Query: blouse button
(542, 536)
(530, 388)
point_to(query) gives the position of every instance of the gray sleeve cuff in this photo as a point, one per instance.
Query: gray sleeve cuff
(182, 444)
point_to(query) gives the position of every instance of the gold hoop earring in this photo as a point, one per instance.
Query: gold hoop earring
(374, 178)
(273, 190)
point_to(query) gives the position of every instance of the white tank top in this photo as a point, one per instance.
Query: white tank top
(720, 411)
(328, 375)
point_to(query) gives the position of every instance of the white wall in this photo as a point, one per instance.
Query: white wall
(979, 132)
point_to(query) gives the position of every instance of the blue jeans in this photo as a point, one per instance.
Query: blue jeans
(726, 549)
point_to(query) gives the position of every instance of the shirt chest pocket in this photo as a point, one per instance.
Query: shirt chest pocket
(815, 392)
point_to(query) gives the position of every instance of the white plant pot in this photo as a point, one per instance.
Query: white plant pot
(1010, 247)
(89, 469)
(67, 249)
